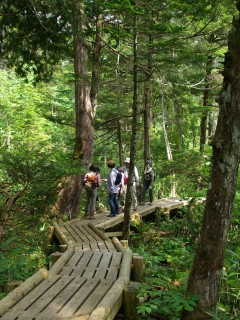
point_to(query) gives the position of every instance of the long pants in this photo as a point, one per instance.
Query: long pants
(146, 185)
(113, 203)
(90, 206)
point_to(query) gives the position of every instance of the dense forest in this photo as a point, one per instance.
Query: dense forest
(84, 82)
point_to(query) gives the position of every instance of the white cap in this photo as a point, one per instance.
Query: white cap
(127, 160)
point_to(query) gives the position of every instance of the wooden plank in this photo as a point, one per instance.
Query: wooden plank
(114, 266)
(82, 229)
(102, 245)
(116, 234)
(94, 262)
(100, 291)
(104, 264)
(79, 229)
(76, 235)
(83, 263)
(50, 289)
(46, 299)
(110, 222)
(53, 309)
(94, 246)
(86, 246)
(110, 246)
(78, 299)
(69, 267)
(71, 234)
(92, 233)
(64, 230)
(21, 291)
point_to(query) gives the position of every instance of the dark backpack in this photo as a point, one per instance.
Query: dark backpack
(118, 179)
(147, 176)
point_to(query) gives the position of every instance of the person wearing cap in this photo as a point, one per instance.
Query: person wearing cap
(135, 182)
(148, 180)
(112, 189)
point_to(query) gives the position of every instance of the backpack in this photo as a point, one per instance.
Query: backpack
(147, 175)
(90, 181)
(118, 179)
(125, 178)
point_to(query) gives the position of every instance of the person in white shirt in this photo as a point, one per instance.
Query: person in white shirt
(135, 182)
(112, 189)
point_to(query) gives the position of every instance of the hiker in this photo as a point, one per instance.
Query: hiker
(135, 182)
(148, 180)
(121, 190)
(91, 182)
(112, 189)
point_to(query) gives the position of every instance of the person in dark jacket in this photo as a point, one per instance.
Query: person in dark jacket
(148, 181)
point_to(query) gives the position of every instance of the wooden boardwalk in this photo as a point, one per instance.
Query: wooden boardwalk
(88, 279)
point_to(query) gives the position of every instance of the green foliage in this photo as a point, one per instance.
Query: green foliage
(168, 253)
(166, 300)
(19, 262)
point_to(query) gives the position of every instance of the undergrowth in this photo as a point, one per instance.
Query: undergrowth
(168, 251)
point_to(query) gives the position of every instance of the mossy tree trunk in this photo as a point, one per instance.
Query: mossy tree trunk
(206, 273)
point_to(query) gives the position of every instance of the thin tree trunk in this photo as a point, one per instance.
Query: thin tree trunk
(120, 142)
(126, 222)
(168, 149)
(204, 118)
(206, 273)
(119, 125)
(147, 95)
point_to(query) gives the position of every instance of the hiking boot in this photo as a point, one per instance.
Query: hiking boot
(111, 215)
(92, 217)
(135, 208)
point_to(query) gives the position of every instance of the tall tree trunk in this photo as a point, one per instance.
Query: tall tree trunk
(84, 113)
(120, 142)
(206, 273)
(147, 95)
(126, 222)
(204, 118)
(119, 125)
(86, 94)
(168, 149)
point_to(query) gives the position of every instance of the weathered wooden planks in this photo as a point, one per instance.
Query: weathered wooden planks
(93, 265)
(60, 297)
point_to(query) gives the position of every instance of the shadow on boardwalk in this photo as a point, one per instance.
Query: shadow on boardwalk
(88, 279)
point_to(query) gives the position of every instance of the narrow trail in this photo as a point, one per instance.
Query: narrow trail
(88, 279)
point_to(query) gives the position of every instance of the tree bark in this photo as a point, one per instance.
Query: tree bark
(86, 96)
(203, 125)
(147, 95)
(168, 149)
(206, 273)
(126, 222)
(84, 113)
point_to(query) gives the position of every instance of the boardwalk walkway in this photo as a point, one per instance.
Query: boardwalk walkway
(88, 279)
